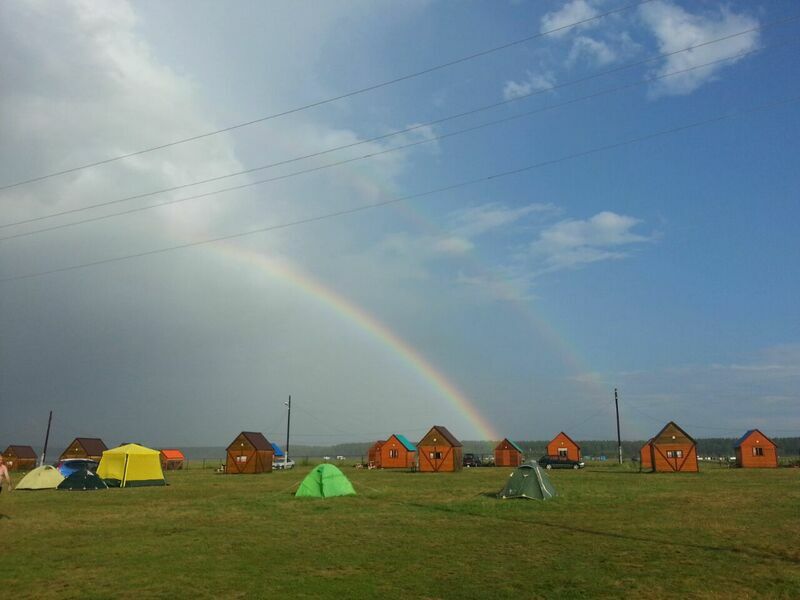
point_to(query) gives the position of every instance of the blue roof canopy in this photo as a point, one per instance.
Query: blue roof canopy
(276, 449)
(404, 440)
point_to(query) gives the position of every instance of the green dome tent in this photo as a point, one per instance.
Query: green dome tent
(325, 481)
(45, 477)
(528, 481)
(81, 481)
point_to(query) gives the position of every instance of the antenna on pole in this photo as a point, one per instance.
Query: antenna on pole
(619, 437)
(46, 438)
(288, 425)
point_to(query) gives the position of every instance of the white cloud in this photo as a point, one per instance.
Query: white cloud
(595, 51)
(571, 12)
(453, 245)
(481, 219)
(572, 243)
(534, 82)
(676, 28)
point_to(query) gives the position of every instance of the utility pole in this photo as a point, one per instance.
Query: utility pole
(288, 425)
(619, 437)
(47, 437)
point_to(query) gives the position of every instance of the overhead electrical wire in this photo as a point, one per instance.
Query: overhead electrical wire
(350, 94)
(454, 186)
(380, 152)
(410, 129)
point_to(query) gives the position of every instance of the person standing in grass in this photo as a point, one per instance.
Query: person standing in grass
(4, 476)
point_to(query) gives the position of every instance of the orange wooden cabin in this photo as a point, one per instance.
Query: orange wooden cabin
(755, 450)
(91, 448)
(564, 446)
(249, 453)
(20, 458)
(507, 454)
(439, 451)
(374, 455)
(398, 453)
(172, 459)
(673, 450)
(645, 456)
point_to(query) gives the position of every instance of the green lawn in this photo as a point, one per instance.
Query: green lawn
(723, 533)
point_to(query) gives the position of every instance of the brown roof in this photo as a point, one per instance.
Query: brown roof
(676, 426)
(21, 451)
(93, 446)
(569, 438)
(447, 435)
(258, 441)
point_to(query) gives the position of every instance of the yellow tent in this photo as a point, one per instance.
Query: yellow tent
(131, 465)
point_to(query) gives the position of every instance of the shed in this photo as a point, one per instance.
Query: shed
(673, 450)
(20, 458)
(374, 454)
(564, 446)
(83, 447)
(249, 453)
(507, 454)
(172, 459)
(755, 450)
(440, 451)
(398, 453)
(645, 456)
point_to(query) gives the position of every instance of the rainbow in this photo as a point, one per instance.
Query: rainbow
(347, 310)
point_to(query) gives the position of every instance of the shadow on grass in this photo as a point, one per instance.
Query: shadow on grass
(755, 552)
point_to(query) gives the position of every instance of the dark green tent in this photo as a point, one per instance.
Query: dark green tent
(325, 481)
(528, 481)
(81, 481)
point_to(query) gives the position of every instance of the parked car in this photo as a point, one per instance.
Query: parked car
(560, 462)
(471, 460)
(69, 465)
(283, 464)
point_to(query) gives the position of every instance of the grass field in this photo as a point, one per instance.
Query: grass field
(723, 533)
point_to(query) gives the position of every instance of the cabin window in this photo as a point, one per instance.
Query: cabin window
(758, 451)
(241, 459)
(393, 453)
(436, 455)
(562, 451)
(674, 453)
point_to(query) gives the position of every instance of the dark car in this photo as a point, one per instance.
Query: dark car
(560, 462)
(471, 460)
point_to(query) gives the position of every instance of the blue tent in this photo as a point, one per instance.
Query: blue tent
(277, 450)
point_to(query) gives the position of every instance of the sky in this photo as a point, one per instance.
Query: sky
(618, 209)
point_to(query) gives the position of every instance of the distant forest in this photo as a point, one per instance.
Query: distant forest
(712, 447)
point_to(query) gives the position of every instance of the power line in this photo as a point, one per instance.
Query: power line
(416, 126)
(364, 156)
(350, 94)
(695, 426)
(365, 207)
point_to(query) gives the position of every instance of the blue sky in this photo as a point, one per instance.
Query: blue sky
(665, 267)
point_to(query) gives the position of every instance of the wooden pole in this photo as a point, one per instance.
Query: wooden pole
(288, 426)
(47, 437)
(619, 437)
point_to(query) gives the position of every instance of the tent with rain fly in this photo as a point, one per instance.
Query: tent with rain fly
(131, 465)
(528, 481)
(45, 477)
(82, 481)
(325, 481)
